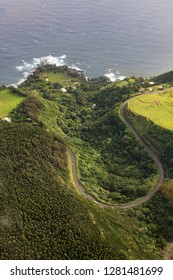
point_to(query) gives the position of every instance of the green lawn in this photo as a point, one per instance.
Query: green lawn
(60, 78)
(8, 101)
(157, 107)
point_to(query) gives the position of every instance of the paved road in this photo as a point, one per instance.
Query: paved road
(149, 151)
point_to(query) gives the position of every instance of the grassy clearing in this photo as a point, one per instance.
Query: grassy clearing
(8, 102)
(60, 78)
(157, 107)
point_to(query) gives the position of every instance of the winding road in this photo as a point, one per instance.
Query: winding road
(149, 151)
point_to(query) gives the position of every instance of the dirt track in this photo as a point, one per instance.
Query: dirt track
(149, 151)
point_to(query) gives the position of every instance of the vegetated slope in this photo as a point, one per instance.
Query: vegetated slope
(157, 214)
(112, 165)
(164, 78)
(157, 137)
(41, 215)
(9, 100)
(130, 170)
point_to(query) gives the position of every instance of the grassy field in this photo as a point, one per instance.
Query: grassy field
(60, 78)
(156, 106)
(8, 101)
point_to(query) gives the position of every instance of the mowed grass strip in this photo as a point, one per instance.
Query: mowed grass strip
(157, 107)
(8, 102)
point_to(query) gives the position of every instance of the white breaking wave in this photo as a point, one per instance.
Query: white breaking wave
(73, 66)
(114, 77)
(30, 67)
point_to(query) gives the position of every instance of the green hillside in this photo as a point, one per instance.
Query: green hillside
(43, 216)
(161, 206)
(164, 78)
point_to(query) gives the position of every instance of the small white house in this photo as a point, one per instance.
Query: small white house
(63, 90)
(6, 119)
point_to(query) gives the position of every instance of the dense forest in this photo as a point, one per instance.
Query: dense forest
(42, 215)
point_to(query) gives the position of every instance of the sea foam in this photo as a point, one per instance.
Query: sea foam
(113, 77)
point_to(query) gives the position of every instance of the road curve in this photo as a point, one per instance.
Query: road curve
(149, 151)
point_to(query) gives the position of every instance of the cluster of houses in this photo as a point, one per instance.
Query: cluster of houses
(150, 89)
(73, 87)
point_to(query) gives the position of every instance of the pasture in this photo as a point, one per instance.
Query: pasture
(155, 106)
(8, 102)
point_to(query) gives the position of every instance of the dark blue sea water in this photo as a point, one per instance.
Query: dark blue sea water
(117, 37)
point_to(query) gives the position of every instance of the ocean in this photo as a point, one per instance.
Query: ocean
(117, 38)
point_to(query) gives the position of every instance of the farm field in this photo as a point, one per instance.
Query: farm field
(156, 106)
(8, 102)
